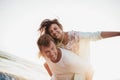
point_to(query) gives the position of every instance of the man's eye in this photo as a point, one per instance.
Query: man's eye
(47, 53)
(52, 48)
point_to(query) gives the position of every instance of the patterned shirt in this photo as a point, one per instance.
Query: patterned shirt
(79, 43)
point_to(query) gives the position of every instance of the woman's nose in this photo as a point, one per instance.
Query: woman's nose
(54, 32)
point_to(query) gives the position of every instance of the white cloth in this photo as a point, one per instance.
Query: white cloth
(20, 68)
(79, 43)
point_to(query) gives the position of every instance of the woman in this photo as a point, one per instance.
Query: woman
(75, 41)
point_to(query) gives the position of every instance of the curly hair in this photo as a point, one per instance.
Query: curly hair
(46, 23)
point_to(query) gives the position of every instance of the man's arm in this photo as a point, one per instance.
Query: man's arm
(48, 69)
(109, 34)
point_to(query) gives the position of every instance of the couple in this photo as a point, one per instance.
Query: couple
(70, 60)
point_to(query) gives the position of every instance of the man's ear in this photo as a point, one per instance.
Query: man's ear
(39, 54)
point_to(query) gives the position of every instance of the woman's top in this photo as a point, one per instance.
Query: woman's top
(79, 43)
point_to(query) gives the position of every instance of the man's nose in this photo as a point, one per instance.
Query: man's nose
(52, 53)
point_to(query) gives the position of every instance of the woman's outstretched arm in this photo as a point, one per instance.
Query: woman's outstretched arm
(109, 34)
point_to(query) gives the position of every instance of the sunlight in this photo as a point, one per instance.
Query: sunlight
(19, 25)
(105, 59)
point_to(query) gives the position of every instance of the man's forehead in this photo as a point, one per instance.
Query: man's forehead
(44, 48)
(51, 44)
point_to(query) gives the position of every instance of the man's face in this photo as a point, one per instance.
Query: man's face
(50, 51)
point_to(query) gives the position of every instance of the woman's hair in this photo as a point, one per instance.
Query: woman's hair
(45, 24)
(44, 40)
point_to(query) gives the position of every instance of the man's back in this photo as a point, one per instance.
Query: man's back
(69, 64)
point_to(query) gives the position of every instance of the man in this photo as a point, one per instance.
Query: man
(63, 63)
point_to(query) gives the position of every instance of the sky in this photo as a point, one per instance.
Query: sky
(20, 20)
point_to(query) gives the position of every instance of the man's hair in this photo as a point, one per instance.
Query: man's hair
(44, 40)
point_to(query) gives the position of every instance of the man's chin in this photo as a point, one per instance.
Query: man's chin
(53, 59)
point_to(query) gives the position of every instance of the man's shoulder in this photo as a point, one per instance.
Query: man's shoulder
(65, 51)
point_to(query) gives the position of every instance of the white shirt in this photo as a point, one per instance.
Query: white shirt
(69, 64)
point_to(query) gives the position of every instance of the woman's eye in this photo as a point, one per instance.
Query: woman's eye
(55, 28)
(51, 31)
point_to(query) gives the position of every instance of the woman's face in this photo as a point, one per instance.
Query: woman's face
(55, 31)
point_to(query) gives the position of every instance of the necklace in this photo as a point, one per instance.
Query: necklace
(60, 42)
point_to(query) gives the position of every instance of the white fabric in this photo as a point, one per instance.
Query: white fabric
(79, 43)
(21, 68)
(69, 64)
